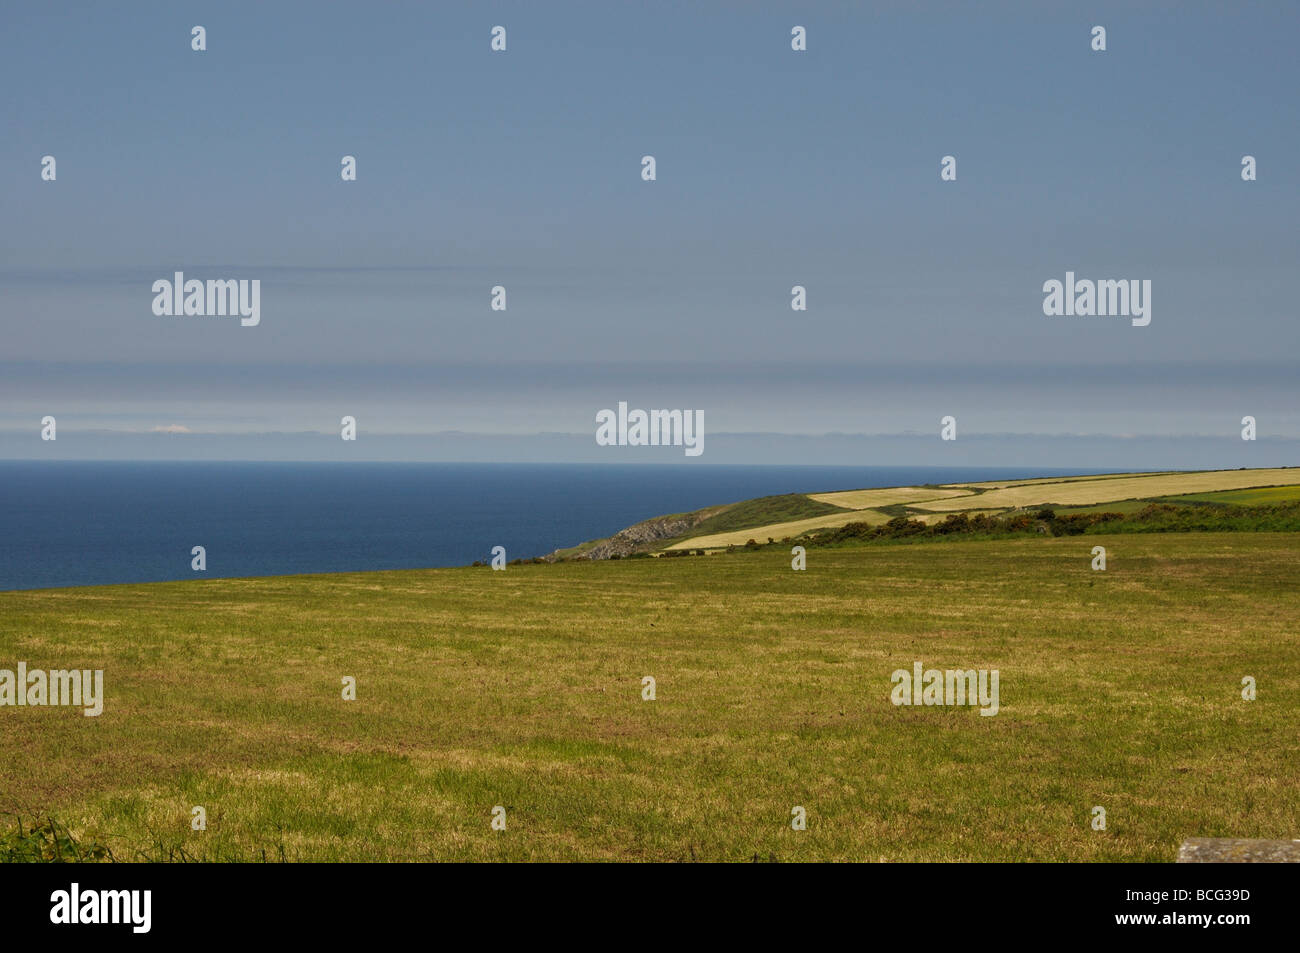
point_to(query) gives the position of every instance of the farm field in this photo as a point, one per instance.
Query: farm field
(523, 689)
(780, 531)
(1123, 492)
(890, 496)
(1121, 506)
(1263, 496)
(1035, 481)
(1085, 492)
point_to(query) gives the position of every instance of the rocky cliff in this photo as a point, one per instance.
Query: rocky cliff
(644, 536)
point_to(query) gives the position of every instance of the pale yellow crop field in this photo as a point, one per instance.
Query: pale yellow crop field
(887, 496)
(999, 484)
(1086, 492)
(740, 537)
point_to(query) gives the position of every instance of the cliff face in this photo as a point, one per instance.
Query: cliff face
(643, 536)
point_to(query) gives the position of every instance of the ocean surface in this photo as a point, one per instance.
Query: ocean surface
(90, 523)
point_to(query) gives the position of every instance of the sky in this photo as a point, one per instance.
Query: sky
(775, 168)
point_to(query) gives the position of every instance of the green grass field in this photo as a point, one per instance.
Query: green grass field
(523, 689)
(1123, 506)
(1262, 496)
(764, 511)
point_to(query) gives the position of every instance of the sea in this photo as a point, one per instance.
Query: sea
(88, 523)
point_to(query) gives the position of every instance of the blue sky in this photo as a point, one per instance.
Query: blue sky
(775, 168)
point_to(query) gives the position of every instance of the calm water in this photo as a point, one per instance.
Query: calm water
(82, 523)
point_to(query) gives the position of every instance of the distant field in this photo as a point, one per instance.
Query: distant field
(523, 689)
(997, 484)
(1120, 506)
(1122, 493)
(1259, 497)
(780, 530)
(866, 499)
(1086, 492)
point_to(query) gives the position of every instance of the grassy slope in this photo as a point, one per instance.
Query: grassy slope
(794, 514)
(522, 688)
(763, 511)
(727, 518)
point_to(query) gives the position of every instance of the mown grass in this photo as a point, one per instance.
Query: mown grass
(523, 689)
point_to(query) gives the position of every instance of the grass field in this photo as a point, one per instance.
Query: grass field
(1263, 496)
(1085, 492)
(1122, 506)
(764, 511)
(522, 688)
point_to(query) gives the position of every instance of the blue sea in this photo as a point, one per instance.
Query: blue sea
(90, 523)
